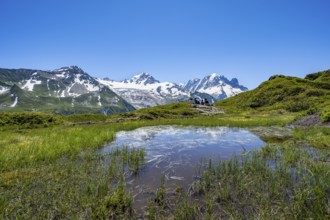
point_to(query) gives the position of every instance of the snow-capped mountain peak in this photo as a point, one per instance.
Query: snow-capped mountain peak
(215, 85)
(213, 76)
(143, 78)
(72, 69)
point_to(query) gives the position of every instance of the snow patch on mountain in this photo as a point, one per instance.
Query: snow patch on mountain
(29, 85)
(67, 72)
(62, 75)
(81, 86)
(99, 101)
(86, 83)
(15, 102)
(48, 87)
(4, 89)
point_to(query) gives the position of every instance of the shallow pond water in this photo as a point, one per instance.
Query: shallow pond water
(175, 151)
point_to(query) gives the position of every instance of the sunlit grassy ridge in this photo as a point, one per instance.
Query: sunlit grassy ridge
(291, 94)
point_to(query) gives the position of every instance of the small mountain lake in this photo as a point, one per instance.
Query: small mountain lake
(175, 151)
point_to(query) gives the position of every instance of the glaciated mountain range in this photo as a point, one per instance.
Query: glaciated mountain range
(143, 90)
(71, 90)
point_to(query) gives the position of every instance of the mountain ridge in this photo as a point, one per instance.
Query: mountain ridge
(71, 90)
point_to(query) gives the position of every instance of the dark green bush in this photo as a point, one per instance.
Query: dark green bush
(295, 91)
(29, 119)
(258, 102)
(310, 93)
(313, 76)
(276, 76)
(297, 106)
(325, 114)
(86, 117)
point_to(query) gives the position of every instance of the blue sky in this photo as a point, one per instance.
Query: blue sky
(173, 40)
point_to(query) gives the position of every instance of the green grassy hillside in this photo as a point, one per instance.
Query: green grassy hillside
(174, 110)
(292, 94)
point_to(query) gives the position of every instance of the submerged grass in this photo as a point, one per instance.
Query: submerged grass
(133, 158)
(281, 182)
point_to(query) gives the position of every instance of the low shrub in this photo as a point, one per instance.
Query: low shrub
(325, 114)
(297, 106)
(29, 119)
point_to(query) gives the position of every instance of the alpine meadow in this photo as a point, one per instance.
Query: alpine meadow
(52, 166)
(179, 110)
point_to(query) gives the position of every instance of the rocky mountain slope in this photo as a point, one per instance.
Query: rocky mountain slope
(67, 90)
